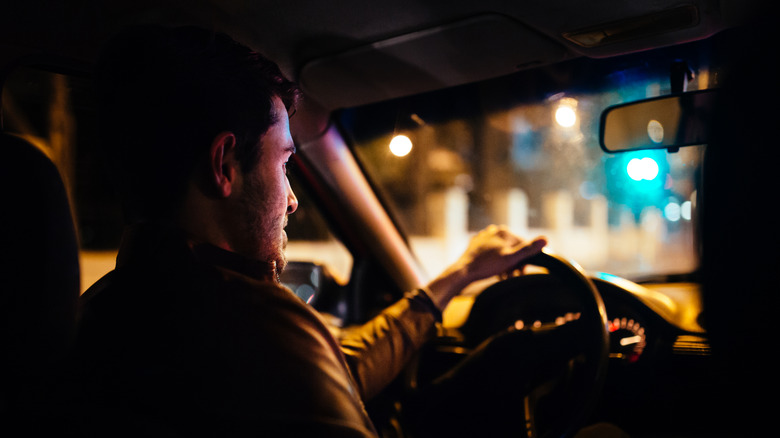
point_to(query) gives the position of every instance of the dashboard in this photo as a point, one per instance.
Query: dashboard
(658, 315)
(660, 370)
(639, 316)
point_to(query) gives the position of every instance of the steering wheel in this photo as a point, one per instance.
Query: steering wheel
(494, 324)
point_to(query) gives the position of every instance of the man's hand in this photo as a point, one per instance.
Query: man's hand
(493, 251)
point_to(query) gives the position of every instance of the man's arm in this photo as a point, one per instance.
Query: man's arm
(493, 251)
(378, 350)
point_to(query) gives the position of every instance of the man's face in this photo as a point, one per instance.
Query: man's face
(267, 197)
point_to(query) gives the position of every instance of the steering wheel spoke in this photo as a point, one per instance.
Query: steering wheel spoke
(530, 403)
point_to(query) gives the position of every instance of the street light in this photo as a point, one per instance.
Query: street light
(566, 113)
(400, 145)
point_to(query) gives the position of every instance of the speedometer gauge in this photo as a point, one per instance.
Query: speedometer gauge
(627, 339)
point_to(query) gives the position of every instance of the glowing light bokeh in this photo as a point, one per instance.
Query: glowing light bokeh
(686, 210)
(566, 116)
(642, 169)
(400, 146)
(655, 130)
(672, 211)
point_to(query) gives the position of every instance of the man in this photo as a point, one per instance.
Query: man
(192, 332)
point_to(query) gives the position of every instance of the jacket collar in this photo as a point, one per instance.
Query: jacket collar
(143, 243)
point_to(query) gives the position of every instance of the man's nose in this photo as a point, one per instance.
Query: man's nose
(292, 201)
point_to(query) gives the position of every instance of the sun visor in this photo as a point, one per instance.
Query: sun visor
(425, 60)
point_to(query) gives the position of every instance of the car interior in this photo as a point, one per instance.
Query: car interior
(679, 320)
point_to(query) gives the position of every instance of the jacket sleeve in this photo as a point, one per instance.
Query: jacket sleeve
(378, 350)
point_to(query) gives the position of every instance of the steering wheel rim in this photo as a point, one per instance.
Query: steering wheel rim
(481, 324)
(594, 319)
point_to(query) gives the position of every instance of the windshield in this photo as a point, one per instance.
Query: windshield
(523, 151)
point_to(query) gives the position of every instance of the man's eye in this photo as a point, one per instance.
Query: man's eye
(287, 166)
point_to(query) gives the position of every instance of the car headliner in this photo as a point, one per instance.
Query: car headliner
(354, 52)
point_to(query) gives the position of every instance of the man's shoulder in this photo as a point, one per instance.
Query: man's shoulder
(209, 286)
(198, 297)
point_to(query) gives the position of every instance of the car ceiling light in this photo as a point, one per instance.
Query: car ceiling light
(657, 23)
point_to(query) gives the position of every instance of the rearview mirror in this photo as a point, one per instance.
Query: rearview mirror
(666, 122)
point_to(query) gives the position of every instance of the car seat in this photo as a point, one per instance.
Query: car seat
(40, 276)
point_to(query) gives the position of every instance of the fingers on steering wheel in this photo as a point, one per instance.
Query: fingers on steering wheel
(526, 250)
(514, 272)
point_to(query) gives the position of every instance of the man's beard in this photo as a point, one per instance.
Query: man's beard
(281, 253)
(272, 242)
(265, 230)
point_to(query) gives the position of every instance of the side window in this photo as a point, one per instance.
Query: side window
(56, 112)
(310, 239)
(318, 263)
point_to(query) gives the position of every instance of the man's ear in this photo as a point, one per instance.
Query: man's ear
(223, 166)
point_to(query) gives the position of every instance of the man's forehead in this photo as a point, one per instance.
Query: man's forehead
(280, 111)
(278, 134)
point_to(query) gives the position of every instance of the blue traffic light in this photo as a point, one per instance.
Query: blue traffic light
(642, 169)
(638, 179)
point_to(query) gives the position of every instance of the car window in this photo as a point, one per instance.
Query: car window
(310, 238)
(523, 151)
(56, 112)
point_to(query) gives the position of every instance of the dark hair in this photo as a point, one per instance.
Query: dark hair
(165, 93)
